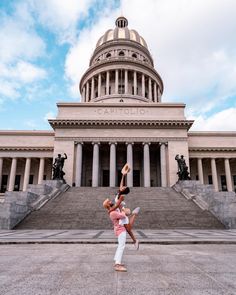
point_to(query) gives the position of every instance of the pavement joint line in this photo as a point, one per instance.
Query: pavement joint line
(142, 234)
(98, 234)
(56, 234)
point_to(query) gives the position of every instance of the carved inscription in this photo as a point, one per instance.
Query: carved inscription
(122, 111)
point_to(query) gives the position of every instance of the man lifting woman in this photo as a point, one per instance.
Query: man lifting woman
(122, 219)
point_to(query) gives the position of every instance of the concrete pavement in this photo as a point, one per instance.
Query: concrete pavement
(81, 269)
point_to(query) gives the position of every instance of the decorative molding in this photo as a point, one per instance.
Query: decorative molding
(212, 149)
(26, 148)
(67, 123)
(121, 139)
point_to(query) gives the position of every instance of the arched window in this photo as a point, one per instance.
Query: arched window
(108, 55)
(134, 55)
(121, 53)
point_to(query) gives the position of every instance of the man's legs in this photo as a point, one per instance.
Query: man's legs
(120, 248)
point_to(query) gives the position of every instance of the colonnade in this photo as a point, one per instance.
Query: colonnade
(27, 168)
(214, 173)
(149, 88)
(112, 165)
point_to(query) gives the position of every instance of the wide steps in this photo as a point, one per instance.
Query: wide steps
(81, 208)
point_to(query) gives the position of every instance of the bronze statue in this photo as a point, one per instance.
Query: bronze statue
(182, 168)
(58, 173)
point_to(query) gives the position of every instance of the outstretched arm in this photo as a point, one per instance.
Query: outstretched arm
(122, 181)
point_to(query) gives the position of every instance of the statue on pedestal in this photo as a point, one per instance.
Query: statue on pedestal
(57, 168)
(183, 173)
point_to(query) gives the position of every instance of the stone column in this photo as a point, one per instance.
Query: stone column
(112, 164)
(116, 81)
(1, 165)
(12, 175)
(150, 88)
(163, 163)
(95, 175)
(135, 83)
(78, 169)
(200, 170)
(126, 81)
(159, 94)
(214, 174)
(87, 92)
(83, 94)
(228, 176)
(146, 164)
(155, 92)
(92, 89)
(41, 170)
(107, 82)
(130, 162)
(143, 85)
(26, 174)
(99, 84)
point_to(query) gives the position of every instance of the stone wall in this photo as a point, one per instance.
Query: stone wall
(221, 204)
(17, 205)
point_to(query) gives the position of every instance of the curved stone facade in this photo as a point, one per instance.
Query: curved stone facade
(121, 69)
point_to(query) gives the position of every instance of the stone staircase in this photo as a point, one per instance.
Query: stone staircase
(81, 208)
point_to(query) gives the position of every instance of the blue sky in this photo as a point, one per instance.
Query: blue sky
(46, 46)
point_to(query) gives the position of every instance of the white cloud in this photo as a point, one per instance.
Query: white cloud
(221, 121)
(61, 17)
(23, 72)
(20, 45)
(77, 60)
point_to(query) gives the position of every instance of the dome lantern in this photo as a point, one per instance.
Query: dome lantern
(121, 22)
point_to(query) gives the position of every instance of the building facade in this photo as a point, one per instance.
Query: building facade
(121, 118)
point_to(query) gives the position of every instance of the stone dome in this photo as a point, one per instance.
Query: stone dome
(120, 32)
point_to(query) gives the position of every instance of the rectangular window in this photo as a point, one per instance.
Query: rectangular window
(197, 177)
(210, 179)
(45, 177)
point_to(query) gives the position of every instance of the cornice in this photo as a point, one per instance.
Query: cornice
(212, 133)
(121, 139)
(25, 148)
(212, 149)
(28, 132)
(67, 123)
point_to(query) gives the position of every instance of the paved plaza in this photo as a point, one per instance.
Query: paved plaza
(169, 262)
(77, 269)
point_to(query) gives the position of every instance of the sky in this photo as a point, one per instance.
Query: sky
(45, 47)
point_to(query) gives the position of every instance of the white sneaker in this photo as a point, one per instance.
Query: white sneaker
(136, 245)
(136, 211)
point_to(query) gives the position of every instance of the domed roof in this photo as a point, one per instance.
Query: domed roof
(121, 32)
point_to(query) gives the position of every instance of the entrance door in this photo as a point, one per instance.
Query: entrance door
(17, 183)
(136, 178)
(4, 183)
(105, 177)
(223, 183)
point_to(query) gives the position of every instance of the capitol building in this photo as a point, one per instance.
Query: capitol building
(121, 118)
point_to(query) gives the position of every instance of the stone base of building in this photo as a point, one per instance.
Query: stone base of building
(17, 205)
(221, 204)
